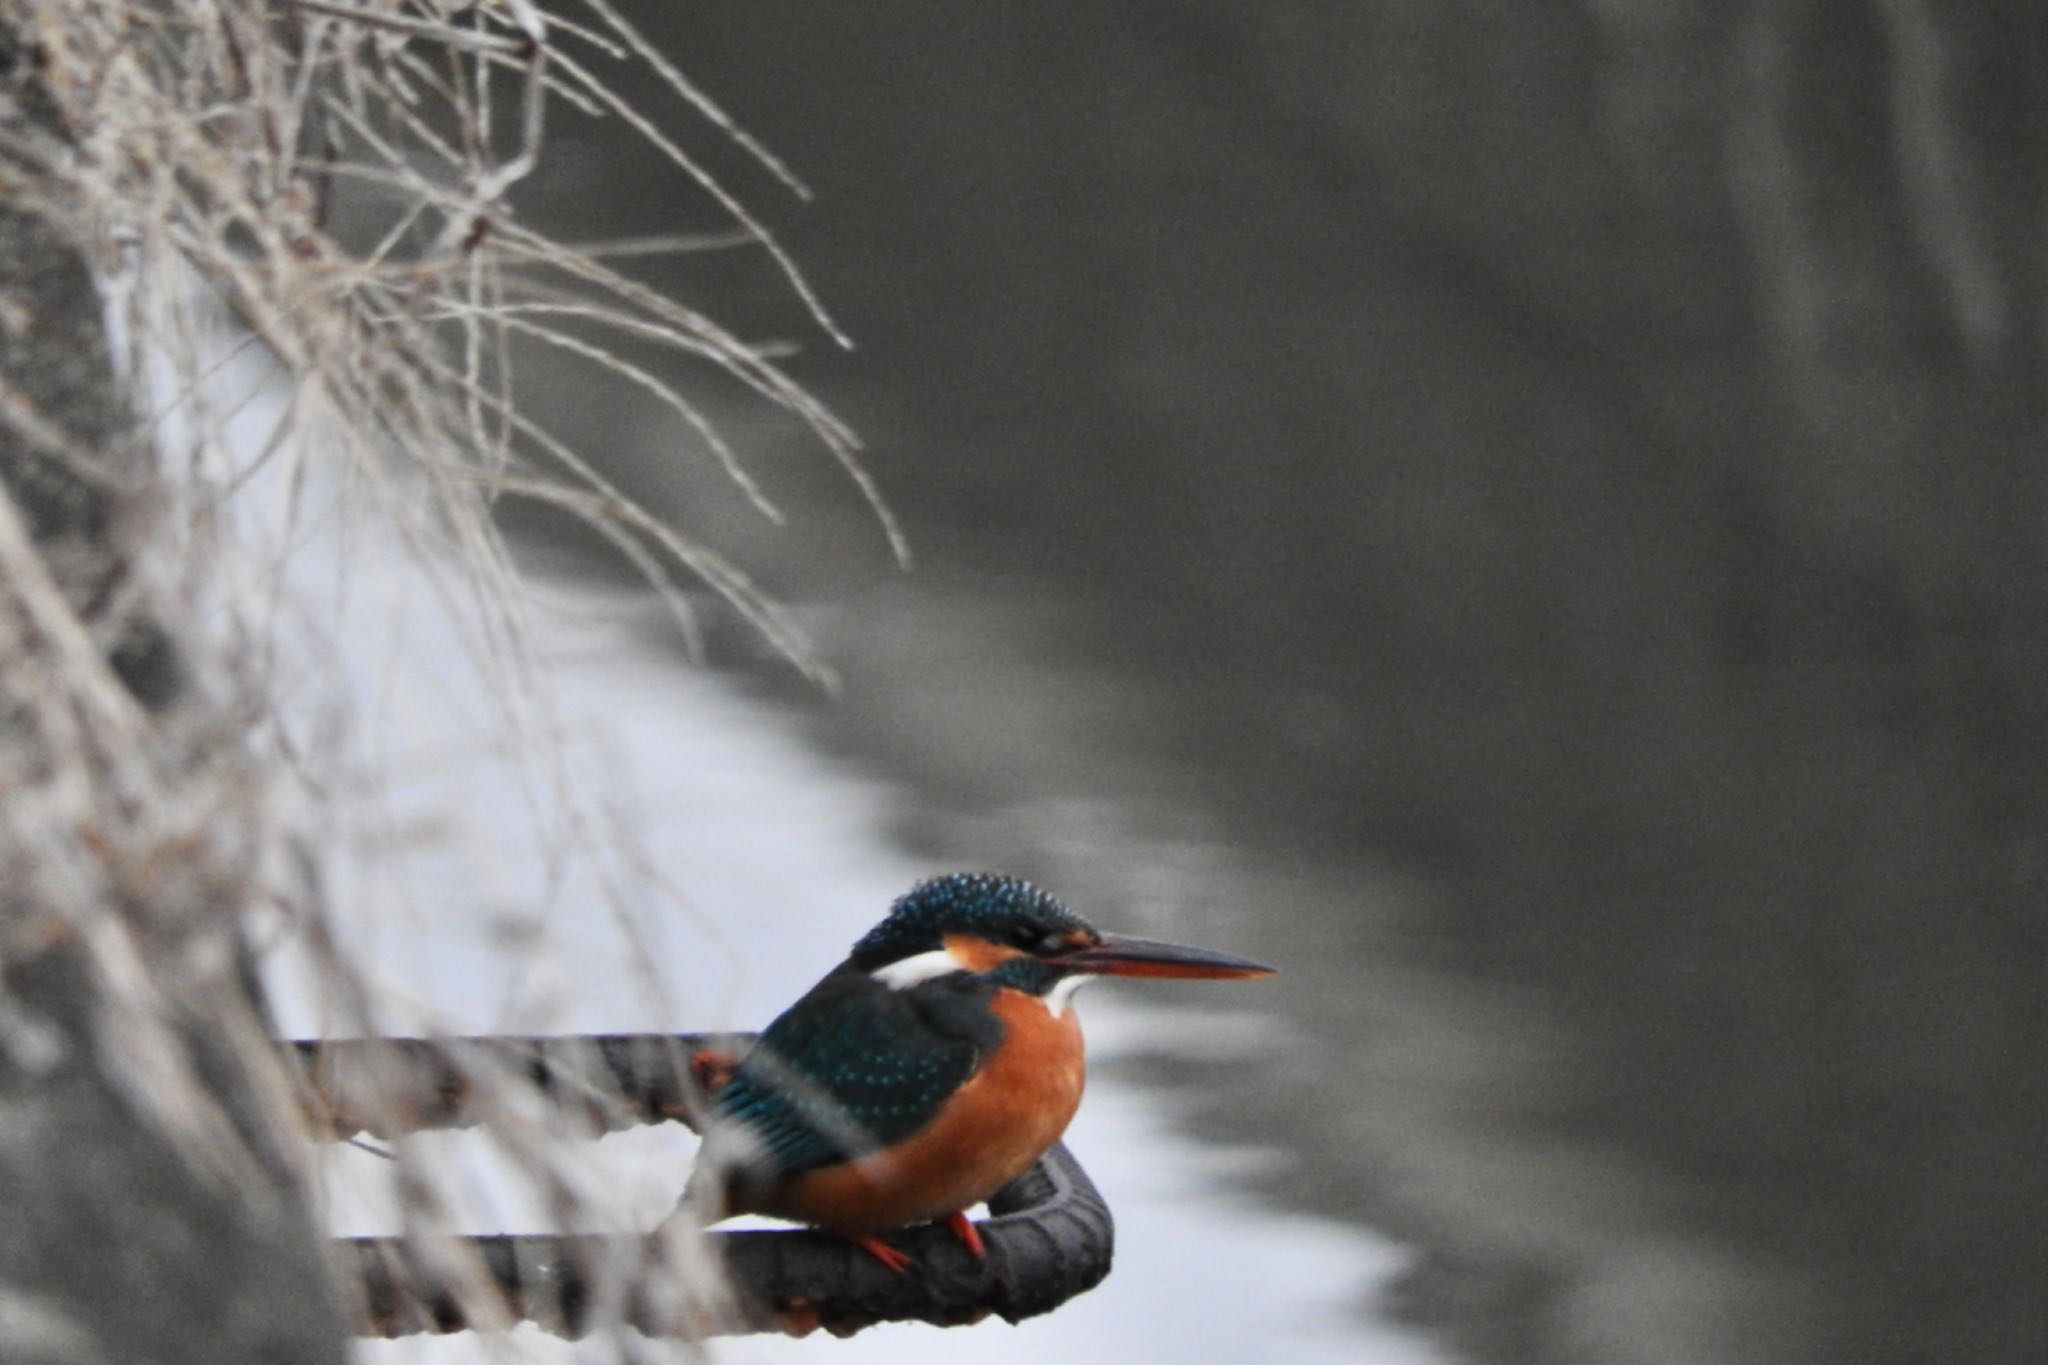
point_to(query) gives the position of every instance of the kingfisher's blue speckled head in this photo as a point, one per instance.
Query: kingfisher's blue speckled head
(1016, 935)
(981, 905)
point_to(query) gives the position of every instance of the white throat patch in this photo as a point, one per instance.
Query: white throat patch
(1062, 994)
(918, 969)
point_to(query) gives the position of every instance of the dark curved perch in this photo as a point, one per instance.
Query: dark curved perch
(1049, 1235)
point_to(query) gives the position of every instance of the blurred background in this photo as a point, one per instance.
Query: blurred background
(1528, 516)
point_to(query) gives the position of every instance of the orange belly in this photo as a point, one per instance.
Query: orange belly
(986, 1135)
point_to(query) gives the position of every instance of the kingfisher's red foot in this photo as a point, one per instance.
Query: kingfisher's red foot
(970, 1236)
(898, 1261)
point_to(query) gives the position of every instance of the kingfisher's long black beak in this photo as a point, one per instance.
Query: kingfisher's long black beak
(1121, 955)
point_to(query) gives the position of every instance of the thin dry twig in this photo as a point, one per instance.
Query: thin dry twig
(340, 175)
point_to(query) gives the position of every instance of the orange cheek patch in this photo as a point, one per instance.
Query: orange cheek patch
(978, 954)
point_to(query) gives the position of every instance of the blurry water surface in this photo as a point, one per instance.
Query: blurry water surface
(755, 861)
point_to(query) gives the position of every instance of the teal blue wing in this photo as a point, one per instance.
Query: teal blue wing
(851, 1068)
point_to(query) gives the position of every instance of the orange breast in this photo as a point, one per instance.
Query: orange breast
(986, 1135)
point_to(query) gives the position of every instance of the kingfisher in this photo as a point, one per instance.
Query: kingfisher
(926, 1071)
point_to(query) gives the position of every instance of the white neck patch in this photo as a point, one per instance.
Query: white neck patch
(930, 966)
(916, 970)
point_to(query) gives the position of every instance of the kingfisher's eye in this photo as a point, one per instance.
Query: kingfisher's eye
(1028, 938)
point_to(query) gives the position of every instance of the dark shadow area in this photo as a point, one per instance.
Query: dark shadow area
(1586, 459)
